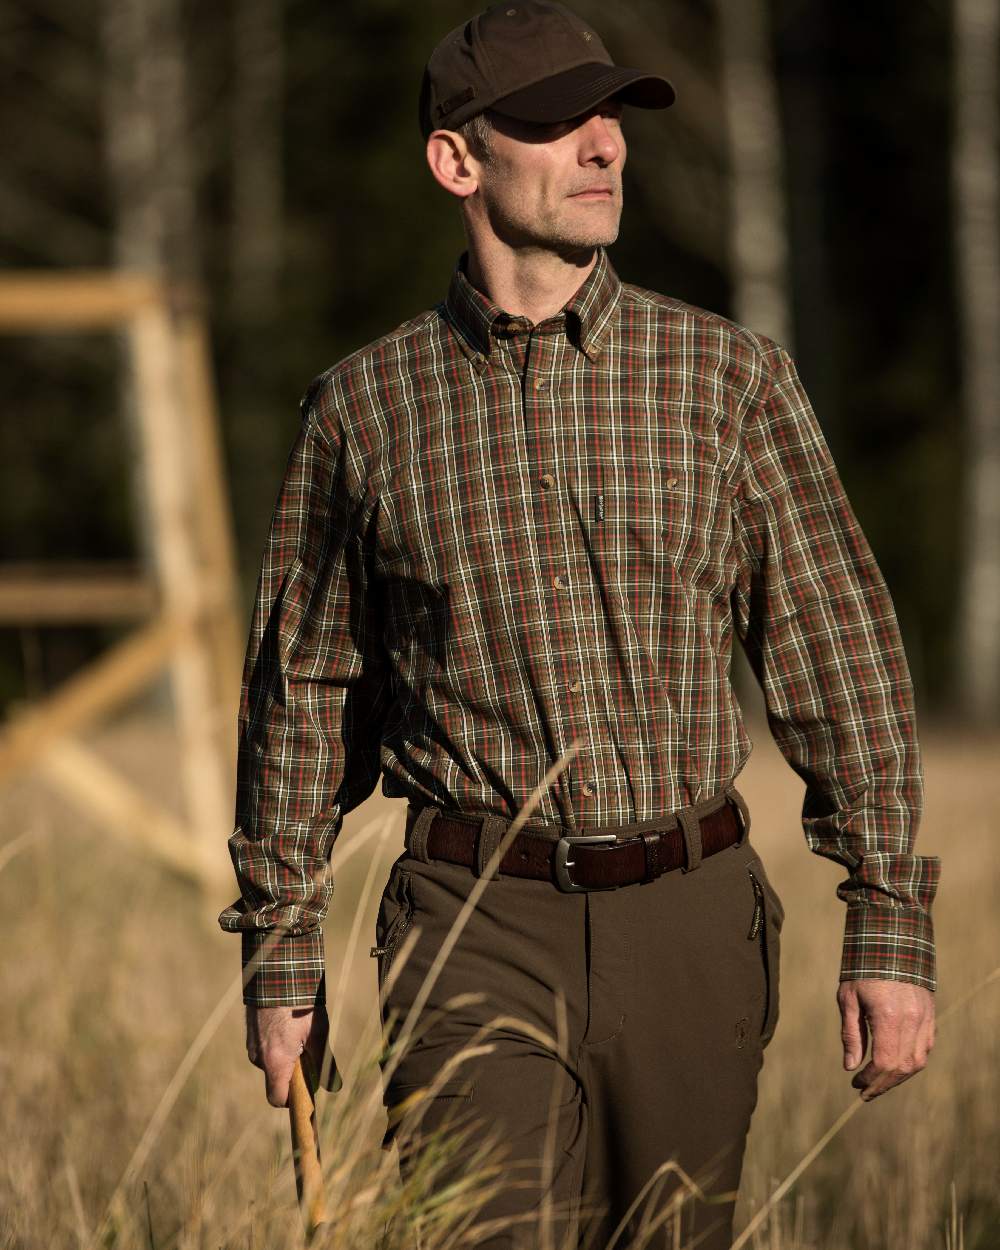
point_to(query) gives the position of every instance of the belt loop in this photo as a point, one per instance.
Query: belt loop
(738, 799)
(487, 840)
(417, 837)
(691, 828)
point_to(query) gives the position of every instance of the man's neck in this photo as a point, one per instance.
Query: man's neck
(533, 284)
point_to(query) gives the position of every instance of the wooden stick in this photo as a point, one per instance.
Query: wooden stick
(305, 1145)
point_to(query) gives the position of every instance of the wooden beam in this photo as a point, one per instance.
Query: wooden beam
(39, 594)
(83, 299)
(198, 634)
(89, 694)
(214, 517)
(127, 813)
(171, 490)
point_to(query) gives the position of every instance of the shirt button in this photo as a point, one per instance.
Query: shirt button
(558, 581)
(671, 483)
(588, 788)
(540, 384)
(547, 480)
(575, 685)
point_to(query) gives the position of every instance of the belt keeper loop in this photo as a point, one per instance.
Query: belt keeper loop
(691, 827)
(744, 811)
(491, 830)
(417, 840)
(652, 840)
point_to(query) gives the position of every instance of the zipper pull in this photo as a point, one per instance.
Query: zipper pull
(758, 907)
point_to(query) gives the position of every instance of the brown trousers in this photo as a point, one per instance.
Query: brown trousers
(670, 994)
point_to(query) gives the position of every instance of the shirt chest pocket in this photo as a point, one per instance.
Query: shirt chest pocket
(670, 536)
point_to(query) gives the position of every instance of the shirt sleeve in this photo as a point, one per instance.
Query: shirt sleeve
(312, 699)
(815, 618)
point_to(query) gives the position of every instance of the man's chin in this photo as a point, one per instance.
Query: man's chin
(594, 239)
(598, 232)
(595, 235)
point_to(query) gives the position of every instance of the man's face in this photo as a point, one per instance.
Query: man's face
(557, 184)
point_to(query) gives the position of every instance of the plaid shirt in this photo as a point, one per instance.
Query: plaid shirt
(493, 538)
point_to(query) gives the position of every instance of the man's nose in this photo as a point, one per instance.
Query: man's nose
(600, 140)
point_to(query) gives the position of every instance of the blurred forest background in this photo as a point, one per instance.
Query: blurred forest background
(827, 176)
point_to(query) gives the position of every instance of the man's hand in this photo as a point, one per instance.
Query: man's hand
(276, 1036)
(900, 1015)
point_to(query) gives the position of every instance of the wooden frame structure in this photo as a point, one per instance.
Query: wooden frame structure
(187, 608)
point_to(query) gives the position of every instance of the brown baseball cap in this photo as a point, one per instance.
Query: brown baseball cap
(534, 60)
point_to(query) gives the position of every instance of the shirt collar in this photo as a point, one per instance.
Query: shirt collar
(590, 312)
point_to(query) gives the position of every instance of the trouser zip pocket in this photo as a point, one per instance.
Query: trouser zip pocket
(386, 950)
(389, 949)
(758, 906)
(765, 930)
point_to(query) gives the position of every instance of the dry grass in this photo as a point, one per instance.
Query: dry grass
(112, 969)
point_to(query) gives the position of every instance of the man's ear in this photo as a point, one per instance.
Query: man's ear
(451, 163)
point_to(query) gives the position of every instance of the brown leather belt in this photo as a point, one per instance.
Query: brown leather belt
(605, 866)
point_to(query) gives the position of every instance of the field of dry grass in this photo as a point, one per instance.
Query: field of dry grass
(112, 969)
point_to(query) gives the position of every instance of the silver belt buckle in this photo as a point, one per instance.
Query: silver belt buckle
(563, 863)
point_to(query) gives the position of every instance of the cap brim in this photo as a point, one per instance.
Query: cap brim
(562, 96)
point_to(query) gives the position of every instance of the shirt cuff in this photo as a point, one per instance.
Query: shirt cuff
(291, 974)
(886, 942)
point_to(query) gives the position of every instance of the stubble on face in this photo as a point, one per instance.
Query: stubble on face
(527, 192)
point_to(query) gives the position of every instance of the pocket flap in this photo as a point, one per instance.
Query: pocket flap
(403, 1096)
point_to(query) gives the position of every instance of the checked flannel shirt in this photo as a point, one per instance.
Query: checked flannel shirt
(493, 538)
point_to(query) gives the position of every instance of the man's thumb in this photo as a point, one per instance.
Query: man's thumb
(278, 1078)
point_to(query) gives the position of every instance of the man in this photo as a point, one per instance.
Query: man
(534, 515)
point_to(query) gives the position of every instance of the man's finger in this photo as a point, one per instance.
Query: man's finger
(853, 1032)
(885, 1052)
(887, 1038)
(884, 1081)
(895, 1057)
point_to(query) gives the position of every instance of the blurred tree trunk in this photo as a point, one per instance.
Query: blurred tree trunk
(758, 239)
(976, 189)
(148, 137)
(802, 74)
(757, 228)
(150, 172)
(256, 252)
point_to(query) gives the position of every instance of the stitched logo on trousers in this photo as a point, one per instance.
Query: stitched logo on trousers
(742, 1030)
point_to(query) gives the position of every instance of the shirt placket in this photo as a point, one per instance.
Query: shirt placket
(545, 434)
